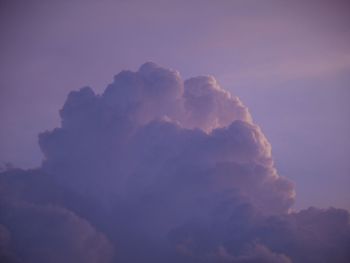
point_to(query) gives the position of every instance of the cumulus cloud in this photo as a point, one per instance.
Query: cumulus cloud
(36, 227)
(157, 169)
(52, 234)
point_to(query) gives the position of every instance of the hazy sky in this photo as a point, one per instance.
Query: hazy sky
(289, 62)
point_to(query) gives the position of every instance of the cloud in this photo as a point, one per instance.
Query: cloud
(53, 234)
(152, 113)
(37, 226)
(159, 169)
(311, 235)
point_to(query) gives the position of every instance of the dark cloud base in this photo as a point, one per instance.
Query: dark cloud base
(157, 169)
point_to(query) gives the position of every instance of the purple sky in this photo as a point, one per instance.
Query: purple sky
(288, 62)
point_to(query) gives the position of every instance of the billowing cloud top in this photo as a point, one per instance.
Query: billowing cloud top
(157, 169)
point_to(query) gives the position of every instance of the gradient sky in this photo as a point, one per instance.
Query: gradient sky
(288, 62)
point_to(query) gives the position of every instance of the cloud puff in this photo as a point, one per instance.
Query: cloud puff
(163, 170)
(52, 234)
(208, 106)
(312, 235)
(36, 224)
